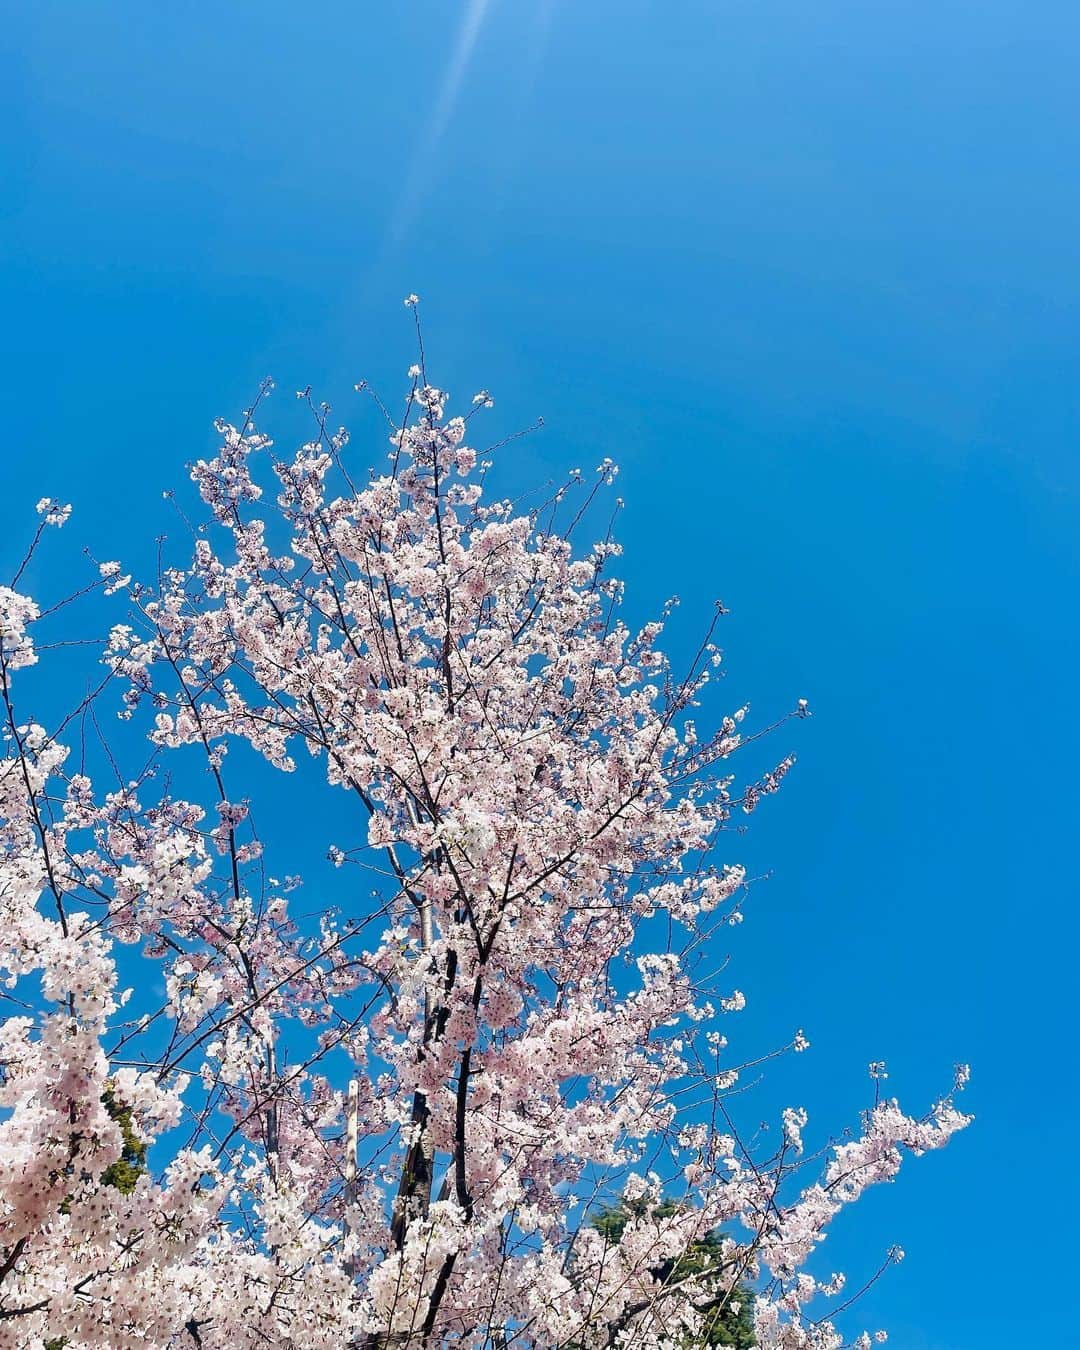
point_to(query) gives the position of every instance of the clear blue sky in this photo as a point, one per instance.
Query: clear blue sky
(810, 273)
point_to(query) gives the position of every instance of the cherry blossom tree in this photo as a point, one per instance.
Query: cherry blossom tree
(392, 1125)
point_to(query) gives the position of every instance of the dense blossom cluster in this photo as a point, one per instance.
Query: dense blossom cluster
(519, 1026)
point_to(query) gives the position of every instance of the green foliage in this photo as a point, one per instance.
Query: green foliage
(125, 1172)
(729, 1326)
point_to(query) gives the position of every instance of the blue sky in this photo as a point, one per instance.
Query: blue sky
(810, 274)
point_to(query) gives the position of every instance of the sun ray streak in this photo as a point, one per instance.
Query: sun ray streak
(449, 93)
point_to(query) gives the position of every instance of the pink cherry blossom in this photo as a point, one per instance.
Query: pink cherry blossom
(390, 1126)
